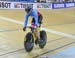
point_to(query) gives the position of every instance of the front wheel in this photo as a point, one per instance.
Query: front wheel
(43, 39)
(29, 42)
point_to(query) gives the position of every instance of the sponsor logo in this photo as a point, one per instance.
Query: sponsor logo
(17, 5)
(5, 4)
(69, 4)
(44, 5)
(22, 5)
(58, 5)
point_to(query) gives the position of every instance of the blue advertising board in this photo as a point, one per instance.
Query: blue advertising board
(57, 5)
(63, 5)
(70, 4)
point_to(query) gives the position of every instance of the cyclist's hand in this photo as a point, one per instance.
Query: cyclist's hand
(24, 29)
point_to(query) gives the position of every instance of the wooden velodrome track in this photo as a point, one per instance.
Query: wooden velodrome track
(12, 35)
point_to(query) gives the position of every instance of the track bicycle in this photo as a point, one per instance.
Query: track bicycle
(31, 38)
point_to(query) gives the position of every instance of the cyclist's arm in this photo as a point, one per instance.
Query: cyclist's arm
(26, 20)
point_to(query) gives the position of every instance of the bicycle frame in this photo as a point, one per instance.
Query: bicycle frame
(34, 31)
(32, 37)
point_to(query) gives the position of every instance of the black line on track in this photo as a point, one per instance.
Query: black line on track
(23, 48)
(53, 50)
(56, 39)
(12, 52)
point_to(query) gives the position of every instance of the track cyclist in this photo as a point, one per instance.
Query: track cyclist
(36, 20)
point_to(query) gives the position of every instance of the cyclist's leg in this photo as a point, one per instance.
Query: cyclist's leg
(37, 33)
(38, 28)
(40, 20)
(34, 34)
(33, 23)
